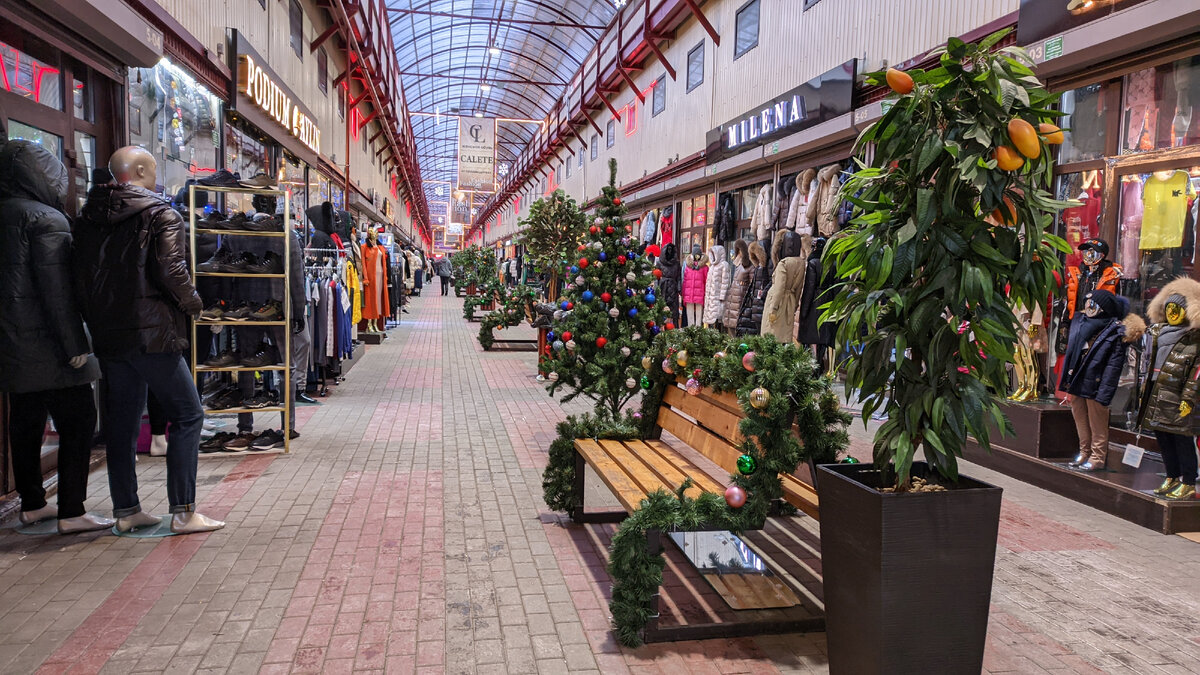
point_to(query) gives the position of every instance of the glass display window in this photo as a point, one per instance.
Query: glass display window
(1085, 124)
(1080, 223)
(30, 69)
(245, 154)
(1157, 230)
(20, 130)
(1159, 107)
(177, 120)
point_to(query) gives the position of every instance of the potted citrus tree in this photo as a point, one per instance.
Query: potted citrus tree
(550, 233)
(948, 235)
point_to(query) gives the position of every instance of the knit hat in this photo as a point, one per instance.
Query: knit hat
(1111, 305)
(1176, 298)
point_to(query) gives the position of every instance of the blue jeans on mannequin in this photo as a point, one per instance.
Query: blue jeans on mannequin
(126, 381)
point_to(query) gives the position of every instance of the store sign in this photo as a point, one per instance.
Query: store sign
(820, 99)
(263, 88)
(477, 154)
(1040, 19)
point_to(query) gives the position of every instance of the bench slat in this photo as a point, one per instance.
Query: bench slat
(686, 466)
(702, 440)
(633, 465)
(617, 480)
(710, 416)
(672, 473)
(800, 495)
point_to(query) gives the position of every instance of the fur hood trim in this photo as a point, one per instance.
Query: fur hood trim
(1190, 290)
(758, 255)
(826, 174)
(804, 180)
(1135, 328)
(741, 253)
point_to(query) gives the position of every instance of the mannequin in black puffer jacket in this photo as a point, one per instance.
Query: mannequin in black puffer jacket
(669, 285)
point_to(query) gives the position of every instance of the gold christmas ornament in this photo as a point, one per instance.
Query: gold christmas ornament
(759, 398)
(647, 362)
(681, 358)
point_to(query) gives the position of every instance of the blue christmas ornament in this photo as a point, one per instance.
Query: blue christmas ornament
(574, 269)
(564, 305)
(654, 329)
(550, 336)
(629, 292)
(633, 311)
(603, 255)
(650, 298)
(586, 297)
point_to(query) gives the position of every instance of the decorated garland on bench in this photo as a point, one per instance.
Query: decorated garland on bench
(776, 385)
(510, 313)
(485, 292)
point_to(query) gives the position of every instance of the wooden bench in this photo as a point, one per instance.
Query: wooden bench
(632, 469)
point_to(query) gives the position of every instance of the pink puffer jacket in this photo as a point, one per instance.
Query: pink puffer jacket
(695, 276)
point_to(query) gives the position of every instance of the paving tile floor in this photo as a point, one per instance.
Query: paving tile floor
(406, 533)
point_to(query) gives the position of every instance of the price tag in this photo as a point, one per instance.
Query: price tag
(1133, 455)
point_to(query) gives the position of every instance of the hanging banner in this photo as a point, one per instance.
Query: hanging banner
(477, 154)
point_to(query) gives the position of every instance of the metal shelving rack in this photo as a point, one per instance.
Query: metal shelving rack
(286, 353)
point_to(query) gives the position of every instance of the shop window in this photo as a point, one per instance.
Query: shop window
(1086, 122)
(30, 69)
(695, 67)
(341, 103)
(81, 95)
(245, 154)
(1080, 223)
(610, 133)
(85, 157)
(323, 71)
(19, 130)
(177, 120)
(1160, 107)
(296, 22)
(1157, 230)
(659, 97)
(747, 29)
(595, 147)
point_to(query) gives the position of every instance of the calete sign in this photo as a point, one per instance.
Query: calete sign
(820, 99)
(477, 154)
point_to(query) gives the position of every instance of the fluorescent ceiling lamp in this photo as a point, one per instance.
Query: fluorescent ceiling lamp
(494, 51)
(479, 114)
(485, 88)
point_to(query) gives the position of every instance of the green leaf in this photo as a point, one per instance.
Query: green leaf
(933, 147)
(926, 211)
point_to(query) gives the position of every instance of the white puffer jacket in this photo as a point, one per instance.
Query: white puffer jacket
(760, 221)
(720, 273)
(806, 183)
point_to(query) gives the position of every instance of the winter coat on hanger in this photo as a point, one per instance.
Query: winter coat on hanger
(751, 312)
(725, 226)
(787, 283)
(695, 277)
(740, 279)
(716, 287)
(817, 291)
(40, 325)
(783, 199)
(822, 209)
(760, 221)
(668, 284)
(801, 196)
(648, 228)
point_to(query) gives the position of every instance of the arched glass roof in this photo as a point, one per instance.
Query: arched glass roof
(494, 58)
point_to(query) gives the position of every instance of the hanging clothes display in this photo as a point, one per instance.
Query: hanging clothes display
(1165, 196)
(374, 283)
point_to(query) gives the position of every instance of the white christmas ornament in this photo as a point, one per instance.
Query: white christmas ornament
(571, 345)
(630, 384)
(614, 312)
(625, 351)
(579, 280)
(630, 277)
(598, 221)
(558, 313)
(553, 376)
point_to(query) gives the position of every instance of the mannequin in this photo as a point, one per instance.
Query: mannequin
(787, 284)
(716, 286)
(1172, 393)
(1029, 341)
(139, 336)
(750, 313)
(1097, 273)
(737, 285)
(1100, 338)
(374, 281)
(668, 284)
(809, 330)
(695, 278)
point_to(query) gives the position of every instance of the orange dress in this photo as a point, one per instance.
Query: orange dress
(374, 283)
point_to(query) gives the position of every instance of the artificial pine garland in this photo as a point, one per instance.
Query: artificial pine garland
(510, 313)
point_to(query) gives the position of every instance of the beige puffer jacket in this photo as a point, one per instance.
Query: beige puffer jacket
(737, 287)
(760, 221)
(821, 210)
(801, 196)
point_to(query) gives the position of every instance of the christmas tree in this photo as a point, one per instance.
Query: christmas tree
(608, 313)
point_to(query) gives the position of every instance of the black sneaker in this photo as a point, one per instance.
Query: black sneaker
(222, 392)
(240, 311)
(259, 401)
(265, 356)
(215, 220)
(222, 261)
(264, 223)
(271, 263)
(214, 312)
(217, 442)
(267, 440)
(231, 400)
(241, 442)
(271, 310)
(244, 262)
(225, 359)
(222, 178)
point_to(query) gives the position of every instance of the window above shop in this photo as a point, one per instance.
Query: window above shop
(747, 29)
(30, 69)
(595, 146)
(296, 22)
(610, 133)
(695, 67)
(659, 97)
(323, 71)
(1159, 107)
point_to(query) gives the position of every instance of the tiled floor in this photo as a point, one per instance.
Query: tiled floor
(406, 533)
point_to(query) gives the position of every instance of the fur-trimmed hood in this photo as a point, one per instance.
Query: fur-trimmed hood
(758, 255)
(804, 180)
(741, 253)
(1135, 327)
(1190, 290)
(827, 173)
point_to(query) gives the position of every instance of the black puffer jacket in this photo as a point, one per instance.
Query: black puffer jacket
(725, 224)
(818, 286)
(132, 275)
(40, 325)
(669, 283)
(751, 312)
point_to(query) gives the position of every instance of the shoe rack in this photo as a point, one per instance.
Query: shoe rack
(205, 325)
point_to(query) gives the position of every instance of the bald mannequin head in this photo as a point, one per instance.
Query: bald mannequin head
(135, 165)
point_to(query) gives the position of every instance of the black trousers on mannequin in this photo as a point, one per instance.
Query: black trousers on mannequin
(1179, 455)
(74, 413)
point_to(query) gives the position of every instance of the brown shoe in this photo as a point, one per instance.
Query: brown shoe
(241, 442)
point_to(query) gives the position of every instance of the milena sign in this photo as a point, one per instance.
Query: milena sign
(258, 85)
(818, 100)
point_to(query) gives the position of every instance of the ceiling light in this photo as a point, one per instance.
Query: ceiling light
(485, 88)
(479, 114)
(494, 51)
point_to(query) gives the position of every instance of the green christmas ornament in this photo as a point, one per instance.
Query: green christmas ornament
(646, 383)
(849, 460)
(743, 348)
(747, 465)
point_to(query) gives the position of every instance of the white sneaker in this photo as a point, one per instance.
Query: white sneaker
(158, 446)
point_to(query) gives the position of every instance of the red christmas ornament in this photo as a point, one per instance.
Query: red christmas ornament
(582, 248)
(606, 297)
(583, 262)
(608, 230)
(649, 324)
(670, 326)
(696, 373)
(657, 274)
(601, 341)
(566, 336)
(617, 201)
(629, 228)
(593, 229)
(620, 260)
(570, 305)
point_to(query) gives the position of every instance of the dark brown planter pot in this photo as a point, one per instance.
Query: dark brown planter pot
(908, 577)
